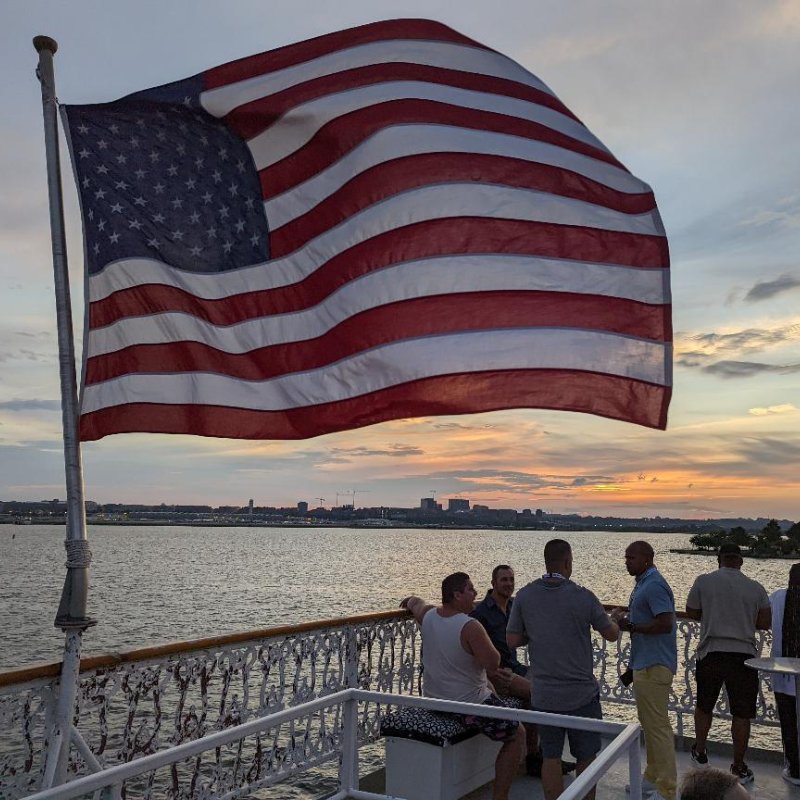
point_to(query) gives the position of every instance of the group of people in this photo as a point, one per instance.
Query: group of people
(469, 655)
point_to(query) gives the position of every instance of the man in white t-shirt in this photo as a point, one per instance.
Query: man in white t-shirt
(730, 607)
(459, 660)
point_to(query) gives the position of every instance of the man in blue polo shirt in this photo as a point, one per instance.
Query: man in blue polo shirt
(654, 661)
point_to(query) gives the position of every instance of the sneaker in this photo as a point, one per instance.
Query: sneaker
(656, 796)
(787, 776)
(743, 773)
(701, 759)
(567, 767)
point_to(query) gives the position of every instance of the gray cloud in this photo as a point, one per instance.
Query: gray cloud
(393, 451)
(769, 451)
(30, 405)
(763, 290)
(746, 369)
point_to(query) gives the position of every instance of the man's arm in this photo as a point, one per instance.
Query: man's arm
(477, 643)
(611, 632)
(516, 639)
(661, 623)
(764, 619)
(694, 613)
(417, 606)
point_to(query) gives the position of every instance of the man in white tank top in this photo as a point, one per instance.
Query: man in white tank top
(459, 660)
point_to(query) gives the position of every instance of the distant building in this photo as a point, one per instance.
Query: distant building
(457, 504)
(427, 504)
(539, 514)
(302, 507)
(250, 508)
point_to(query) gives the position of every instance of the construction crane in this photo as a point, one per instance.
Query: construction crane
(321, 500)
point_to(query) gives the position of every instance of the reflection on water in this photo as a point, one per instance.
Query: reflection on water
(153, 585)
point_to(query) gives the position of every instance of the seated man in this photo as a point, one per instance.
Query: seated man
(712, 784)
(458, 660)
(492, 612)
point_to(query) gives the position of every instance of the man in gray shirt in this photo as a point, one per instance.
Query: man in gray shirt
(730, 607)
(555, 617)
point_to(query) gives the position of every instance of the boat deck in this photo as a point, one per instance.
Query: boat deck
(768, 784)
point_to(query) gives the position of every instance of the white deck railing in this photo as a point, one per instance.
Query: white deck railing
(143, 771)
(134, 705)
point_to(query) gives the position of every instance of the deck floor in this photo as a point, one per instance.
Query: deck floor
(768, 785)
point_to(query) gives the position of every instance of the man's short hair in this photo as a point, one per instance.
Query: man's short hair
(644, 547)
(707, 784)
(556, 551)
(729, 551)
(453, 583)
(497, 569)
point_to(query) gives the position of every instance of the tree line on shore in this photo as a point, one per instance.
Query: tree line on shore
(769, 541)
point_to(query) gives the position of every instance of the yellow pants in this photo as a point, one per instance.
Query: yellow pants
(651, 688)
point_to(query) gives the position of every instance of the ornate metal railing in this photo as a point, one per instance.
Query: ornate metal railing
(138, 703)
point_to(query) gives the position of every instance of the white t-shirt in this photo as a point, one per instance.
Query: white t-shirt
(780, 683)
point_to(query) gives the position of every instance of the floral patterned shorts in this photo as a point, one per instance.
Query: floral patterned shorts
(498, 730)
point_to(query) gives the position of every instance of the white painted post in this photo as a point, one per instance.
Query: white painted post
(635, 769)
(348, 769)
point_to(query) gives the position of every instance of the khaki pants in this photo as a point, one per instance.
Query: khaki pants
(651, 688)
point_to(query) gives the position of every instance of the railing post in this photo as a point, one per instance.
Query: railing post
(348, 769)
(635, 769)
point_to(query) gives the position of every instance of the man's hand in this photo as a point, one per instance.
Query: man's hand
(617, 614)
(501, 679)
(417, 606)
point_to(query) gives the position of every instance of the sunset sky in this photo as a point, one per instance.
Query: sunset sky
(699, 100)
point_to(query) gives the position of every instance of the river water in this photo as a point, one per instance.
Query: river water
(153, 585)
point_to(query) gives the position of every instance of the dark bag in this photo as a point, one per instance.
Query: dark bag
(626, 679)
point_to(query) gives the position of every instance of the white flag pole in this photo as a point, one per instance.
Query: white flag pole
(71, 616)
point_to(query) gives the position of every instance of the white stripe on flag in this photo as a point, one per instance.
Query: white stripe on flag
(223, 100)
(406, 282)
(408, 140)
(463, 271)
(297, 127)
(395, 364)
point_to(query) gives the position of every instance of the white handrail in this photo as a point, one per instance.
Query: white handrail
(626, 739)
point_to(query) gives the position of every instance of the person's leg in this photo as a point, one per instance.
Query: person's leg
(709, 684)
(552, 778)
(740, 733)
(585, 745)
(787, 714)
(651, 688)
(582, 764)
(505, 766)
(741, 683)
(552, 745)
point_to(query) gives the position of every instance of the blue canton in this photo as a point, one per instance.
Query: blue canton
(167, 181)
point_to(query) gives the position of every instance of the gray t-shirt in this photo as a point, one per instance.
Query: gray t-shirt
(557, 617)
(730, 602)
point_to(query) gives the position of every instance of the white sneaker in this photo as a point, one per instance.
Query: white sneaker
(787, 776)
(656, 795)
(648, 787)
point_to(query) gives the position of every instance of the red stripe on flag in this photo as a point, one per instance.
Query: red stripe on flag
(423, 240)
(251, 118)
(602, 395)
(426, 316)
(393, 177)
(341, 135)
(290, 55)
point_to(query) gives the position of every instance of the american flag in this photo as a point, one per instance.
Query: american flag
(389, 221)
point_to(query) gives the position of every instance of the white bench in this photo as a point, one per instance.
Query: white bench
(431, 755)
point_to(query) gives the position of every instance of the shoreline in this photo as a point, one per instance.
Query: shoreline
(759, 557)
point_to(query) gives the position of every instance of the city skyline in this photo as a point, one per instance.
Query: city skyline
(692, 100)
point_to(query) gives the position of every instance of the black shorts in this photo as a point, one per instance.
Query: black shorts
(741, 683)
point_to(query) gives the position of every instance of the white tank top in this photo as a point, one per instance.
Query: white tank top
(449, 671)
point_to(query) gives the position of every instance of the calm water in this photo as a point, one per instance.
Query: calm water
(153, 585)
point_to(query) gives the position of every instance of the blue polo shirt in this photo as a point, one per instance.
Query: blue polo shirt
(652, 596)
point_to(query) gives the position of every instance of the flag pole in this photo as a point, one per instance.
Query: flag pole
(71, 615)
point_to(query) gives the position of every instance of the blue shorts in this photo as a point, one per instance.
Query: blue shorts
(584, 745)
